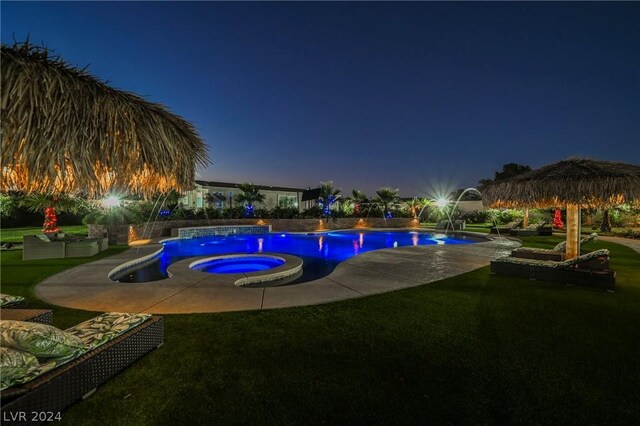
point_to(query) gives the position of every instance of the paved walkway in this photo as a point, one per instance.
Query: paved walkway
(634, 244)
(87, 286)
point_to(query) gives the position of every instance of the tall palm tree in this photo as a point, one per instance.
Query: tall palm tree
(357, 197)
(328, 196)
(249, 194)
(387, 197)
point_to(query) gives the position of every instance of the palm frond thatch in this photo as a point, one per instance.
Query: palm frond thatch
(587, 183)
(64, 131)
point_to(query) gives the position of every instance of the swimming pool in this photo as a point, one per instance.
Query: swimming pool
(321, 252)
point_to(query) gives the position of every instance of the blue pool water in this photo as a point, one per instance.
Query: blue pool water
(321, 253)
(238, 265)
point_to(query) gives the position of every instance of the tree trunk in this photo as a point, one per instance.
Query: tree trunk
(605, 226)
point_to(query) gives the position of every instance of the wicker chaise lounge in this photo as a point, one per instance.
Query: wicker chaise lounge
(532, 230)
(506, 228)
(60, 387)
(575, 271)
(7, 301)
(556, 253)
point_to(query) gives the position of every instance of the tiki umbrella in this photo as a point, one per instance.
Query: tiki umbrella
(574, 184)
(65, 132)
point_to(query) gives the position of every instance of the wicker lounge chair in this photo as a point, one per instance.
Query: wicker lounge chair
(57, 389)
(556, 253)
(532, 230)
(577, 271)
(506, 228)
(42, 316)
(8, 301)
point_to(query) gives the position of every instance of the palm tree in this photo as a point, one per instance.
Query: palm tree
(416, 205)
(328, 195)
(357, 197)
(387, 197)
(249, 194)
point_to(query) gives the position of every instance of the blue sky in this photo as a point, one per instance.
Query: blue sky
(418, 96)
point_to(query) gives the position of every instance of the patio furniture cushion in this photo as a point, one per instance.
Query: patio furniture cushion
(562, 246)
(42, 237)
(40, 340)
(104, 327)
(602, 253)
(92, 333)
(7, 299)
(14, 365)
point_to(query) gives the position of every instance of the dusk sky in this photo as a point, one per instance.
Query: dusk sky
(418, 96)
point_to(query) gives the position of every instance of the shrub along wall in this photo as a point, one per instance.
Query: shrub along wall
(123, 234)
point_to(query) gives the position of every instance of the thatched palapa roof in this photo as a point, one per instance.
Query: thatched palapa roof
(64, 131)
(587, 183)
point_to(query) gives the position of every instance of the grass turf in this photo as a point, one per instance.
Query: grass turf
(475, 348)
(14, 235)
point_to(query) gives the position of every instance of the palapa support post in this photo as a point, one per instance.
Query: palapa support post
(526, 217)
(573, 231)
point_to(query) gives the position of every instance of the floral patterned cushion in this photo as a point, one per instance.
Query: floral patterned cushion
(40, 340)
(584, 258)
(560, 247)
(104, 327)
(7, 299)
(14, 365)
(92, 333)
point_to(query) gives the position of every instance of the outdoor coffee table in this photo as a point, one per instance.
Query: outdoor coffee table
(42, 316)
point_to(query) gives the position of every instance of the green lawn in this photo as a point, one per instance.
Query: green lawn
(14, 235)
(475, 348)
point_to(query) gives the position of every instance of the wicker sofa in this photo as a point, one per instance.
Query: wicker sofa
(55, 390)
(40, 247)
(577, 271)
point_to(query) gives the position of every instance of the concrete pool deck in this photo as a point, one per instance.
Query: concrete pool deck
(88, 287)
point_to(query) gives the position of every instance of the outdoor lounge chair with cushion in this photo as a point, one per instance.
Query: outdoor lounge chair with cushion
(576, 271)
(8, 301)
(111, 342)
(556, 253)
(532, 230)
(506, 228)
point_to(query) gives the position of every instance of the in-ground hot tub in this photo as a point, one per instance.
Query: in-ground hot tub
(253, 270)
(239, 264)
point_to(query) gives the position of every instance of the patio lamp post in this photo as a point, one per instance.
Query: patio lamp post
(574, 184)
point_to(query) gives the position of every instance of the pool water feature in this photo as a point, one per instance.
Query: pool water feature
(239, 265)
(320, 252)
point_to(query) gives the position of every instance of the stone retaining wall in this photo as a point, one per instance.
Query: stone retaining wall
(124, 234)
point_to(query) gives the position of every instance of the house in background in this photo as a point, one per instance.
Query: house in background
(222, 195)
